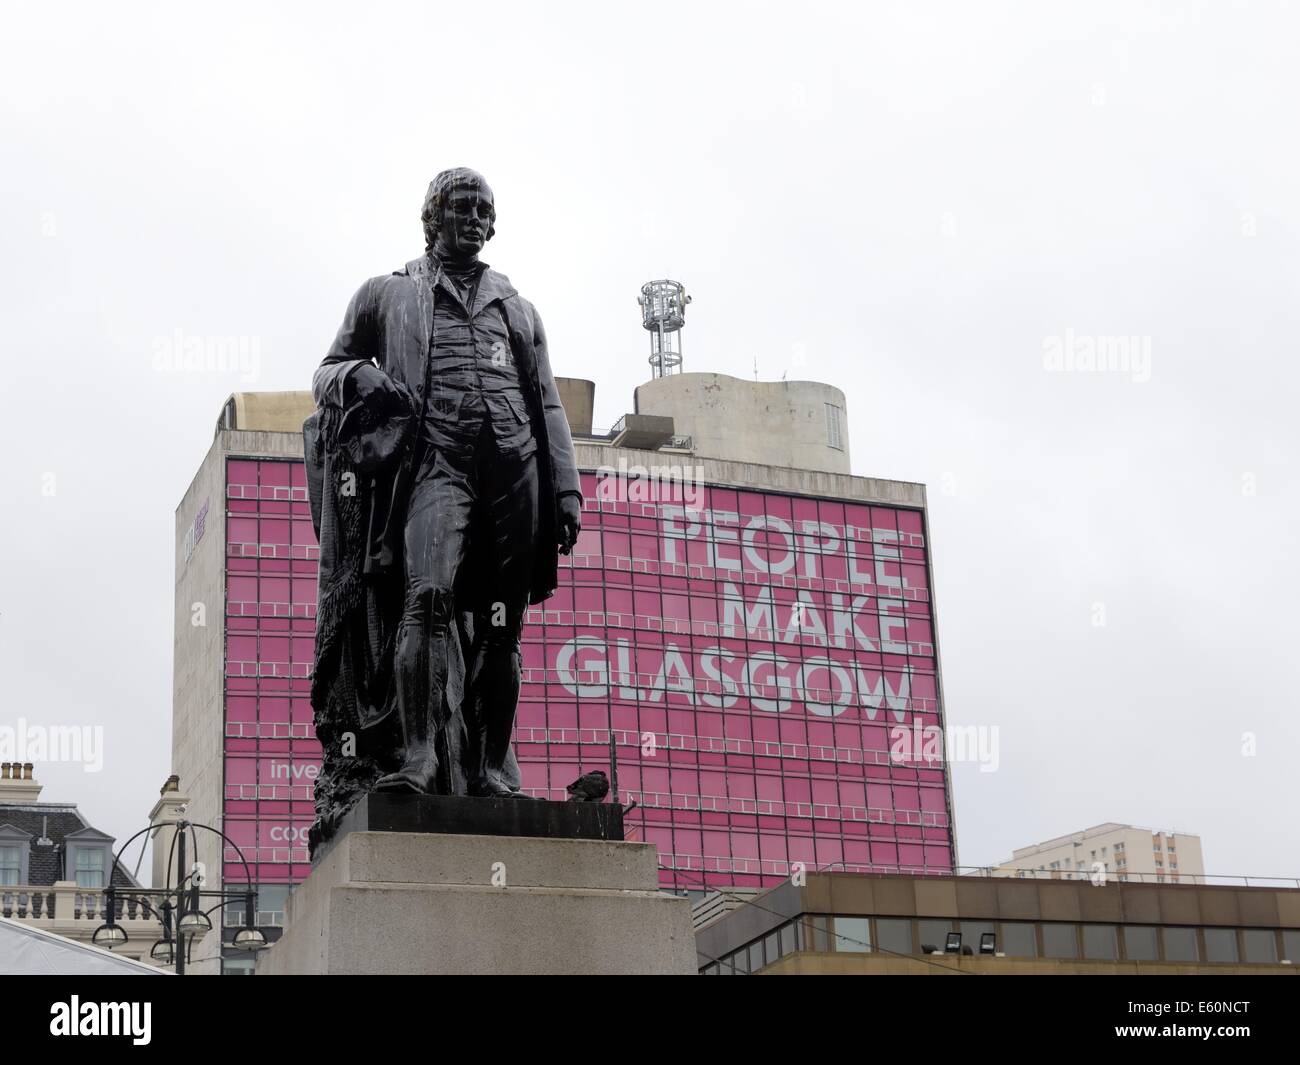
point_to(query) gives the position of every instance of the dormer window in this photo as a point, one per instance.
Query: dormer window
(87, 858)
(15, 845)
(89, 867)
(11, 865)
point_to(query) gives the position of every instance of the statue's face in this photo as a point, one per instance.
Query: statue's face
(467, 218)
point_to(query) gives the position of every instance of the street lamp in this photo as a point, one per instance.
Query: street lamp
(250, 937)
(110, 934)
(186, 915)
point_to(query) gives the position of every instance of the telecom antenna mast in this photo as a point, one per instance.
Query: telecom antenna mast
(663, 313)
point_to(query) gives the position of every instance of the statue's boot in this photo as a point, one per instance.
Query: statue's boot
(496, 682)
(421, 690)
(419, 769)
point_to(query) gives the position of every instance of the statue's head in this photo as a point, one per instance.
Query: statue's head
(458, 212)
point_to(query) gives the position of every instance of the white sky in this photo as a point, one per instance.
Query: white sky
(905, 200)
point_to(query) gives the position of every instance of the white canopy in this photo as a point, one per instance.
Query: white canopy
(28, 951)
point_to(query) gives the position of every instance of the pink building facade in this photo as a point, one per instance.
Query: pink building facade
(759, 655)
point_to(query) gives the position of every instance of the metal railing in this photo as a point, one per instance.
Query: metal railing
(674, 443)
(1123, 876)
(696, 871)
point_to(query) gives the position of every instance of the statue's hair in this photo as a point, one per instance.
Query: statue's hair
(435, 200)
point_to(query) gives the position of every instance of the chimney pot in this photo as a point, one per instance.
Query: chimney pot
(27, 770)
(4, 770)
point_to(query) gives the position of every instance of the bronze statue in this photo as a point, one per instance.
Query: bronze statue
(444, 485)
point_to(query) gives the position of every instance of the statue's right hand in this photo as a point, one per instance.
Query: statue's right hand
(370, 384)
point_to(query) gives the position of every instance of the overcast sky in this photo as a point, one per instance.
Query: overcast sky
(922, 204)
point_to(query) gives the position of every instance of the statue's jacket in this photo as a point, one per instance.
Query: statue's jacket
(359, 491)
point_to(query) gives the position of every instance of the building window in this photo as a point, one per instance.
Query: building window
(971, 932)
(1291, 946)
(1140, 944)
(1260, 945)
(237, 966)
(89, 867)
(894, 935)
(1018, 940)
(1099, 942)
(772, 947)
(1060, 941)
(817, 934)
(1221, 944)
(11, 866)
(271, 900)
(852, 935)
(1180, 944)
(934, 934)
(834, 437)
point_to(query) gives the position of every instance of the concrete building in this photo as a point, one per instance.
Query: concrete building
(893, 925)
(748, 618)
(798, 425)
(1121, 851)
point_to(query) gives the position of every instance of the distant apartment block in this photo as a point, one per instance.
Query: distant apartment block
(1121, 851)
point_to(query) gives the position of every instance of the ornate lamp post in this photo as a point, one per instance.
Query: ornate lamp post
(181, 909)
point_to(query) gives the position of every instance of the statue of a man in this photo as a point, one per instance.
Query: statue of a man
(439, 411)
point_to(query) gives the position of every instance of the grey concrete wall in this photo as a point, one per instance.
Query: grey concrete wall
(579, 399)
(775, 423)
(198, 659)
(198, 652)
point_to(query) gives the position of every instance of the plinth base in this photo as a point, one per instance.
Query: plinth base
(386, 811)
(410, 902)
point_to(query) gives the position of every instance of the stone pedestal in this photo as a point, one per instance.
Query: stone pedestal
(385, 811)
(412, 902)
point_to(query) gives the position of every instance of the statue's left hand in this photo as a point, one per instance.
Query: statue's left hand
(570, 524)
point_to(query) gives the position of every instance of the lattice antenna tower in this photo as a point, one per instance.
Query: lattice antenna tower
(663, 313)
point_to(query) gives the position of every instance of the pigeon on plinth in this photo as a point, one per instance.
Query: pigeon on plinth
(590, 787)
